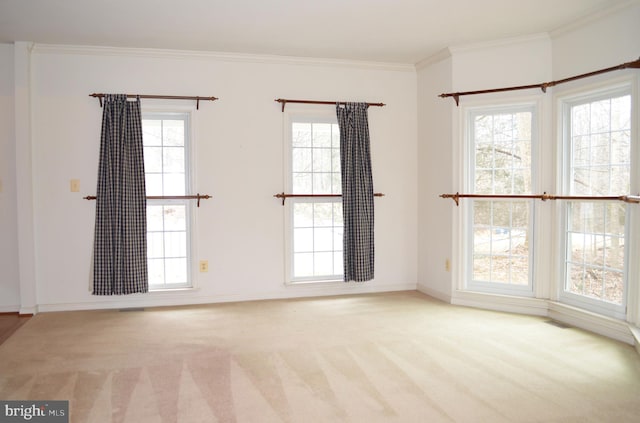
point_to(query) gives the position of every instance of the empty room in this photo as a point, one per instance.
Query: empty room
(336, 211)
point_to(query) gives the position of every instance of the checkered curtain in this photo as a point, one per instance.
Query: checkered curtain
(357, 192)
(120, 243)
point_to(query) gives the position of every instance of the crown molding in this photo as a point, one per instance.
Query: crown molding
(484, 45)
(443, 54)
(216, 56)
(501, 42)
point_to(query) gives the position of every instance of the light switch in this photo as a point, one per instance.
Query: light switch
(75, 185)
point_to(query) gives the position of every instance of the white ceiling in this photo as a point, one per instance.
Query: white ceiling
(402, 31)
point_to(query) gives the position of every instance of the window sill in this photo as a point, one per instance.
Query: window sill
(315, 282)
(172, 290)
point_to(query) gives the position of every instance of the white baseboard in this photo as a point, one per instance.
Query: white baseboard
(171, 298)
(519, 305)
(438, 295)
(635, 332)
(592, 322)
(606, 326)
(9, 309)
(28, 310)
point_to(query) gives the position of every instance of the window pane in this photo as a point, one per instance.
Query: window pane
(337, 238)
(301, 134)
(303, 240)
(338, 266)
(303, 264)
(316, 226)
(322, 160)
(153, 183)
(323, 239)
(302, 183)
(322, 183)
(167, 224)
(153, 159)
(322, 135)
(301, 161)
(500, 242)
(175, 244)
(156, 272)
(173, 132)
(176, 271)
(151, 132)
(174, 184)
(155, 244)
(173, 159)
(154, 218)
(595, 232)
(323, 214)
(302, 215)
(595, 250)
(323, 264)
(317, 239)
(175, 218)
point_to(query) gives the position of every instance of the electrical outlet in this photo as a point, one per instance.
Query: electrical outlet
(447, 265)
(75, 185)
(204, 266)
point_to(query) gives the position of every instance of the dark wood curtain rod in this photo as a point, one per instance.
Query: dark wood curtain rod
(100, 96)
(544, 197)
(284, 101)
(167, 197)
(543, 86)
(284, 196)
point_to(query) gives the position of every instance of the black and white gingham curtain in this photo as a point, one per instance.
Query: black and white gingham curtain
(120, 244)
(357, 192)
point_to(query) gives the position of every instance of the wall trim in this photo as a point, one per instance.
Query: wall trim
(438, 295)
(579, 318)
(602, 325)
(500, 42)
(216, 56)
(31, 311)
(497, 302)
(169, 298)
(635, 332)
(433, 59)
(10, 309)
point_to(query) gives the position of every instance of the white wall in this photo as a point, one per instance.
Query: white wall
(435, 173)
(239, 145)
(9, 278)
(594, 44)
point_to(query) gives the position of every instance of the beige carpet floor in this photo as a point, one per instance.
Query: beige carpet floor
(397, 357)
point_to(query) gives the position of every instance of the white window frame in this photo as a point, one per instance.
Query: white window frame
(467, 112)
(186, 113)
(592, 93)
(292, 115)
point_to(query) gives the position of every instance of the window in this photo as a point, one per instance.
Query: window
(167, 171)
(597, 141)
(314, 224)
(499, 239)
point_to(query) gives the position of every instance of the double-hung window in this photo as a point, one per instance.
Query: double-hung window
(597, 133)
(499, 236)
(313, 223)
(166, 140)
